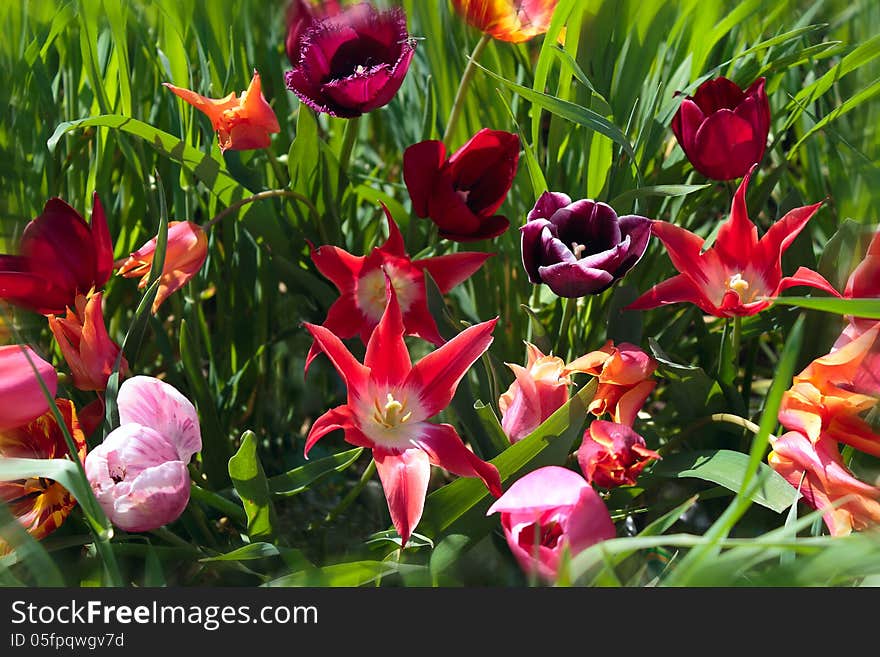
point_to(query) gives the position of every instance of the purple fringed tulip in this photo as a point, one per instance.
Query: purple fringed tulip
(582, 247)
(353, 62)
(139, 473)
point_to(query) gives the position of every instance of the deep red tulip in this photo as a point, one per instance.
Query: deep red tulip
(361, 283)
(462, 193)
(580, 248)
(390, 401)
(352, 62)
(60, 256)
(723, 129)
(739, 274)
(612, 454)
(41, 505)
(87, 348)
(508, 20)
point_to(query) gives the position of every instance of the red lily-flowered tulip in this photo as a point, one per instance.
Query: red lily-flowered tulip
(85, 344)
(301, 15)
(351, 62)
(21, 396)
(361, 283)
(508, 20)
(462, 193)
(186, 253)
(547, 512)
(723, 129)
(41, 505)
(739, 274)
(60, 256)
(817, 468)
(242, 123)
(612, 454)
(389, 403)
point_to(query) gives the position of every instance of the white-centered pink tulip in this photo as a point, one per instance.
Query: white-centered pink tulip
(139, 473)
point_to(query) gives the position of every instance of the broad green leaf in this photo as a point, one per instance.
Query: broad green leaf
(727, 468)
(661, 191)
(299, 479)
(251, 484)
(497, 437)
(355, 573)
(248, 552)
(693, 393)
(210, 171)
(841, 251)
(867, 308)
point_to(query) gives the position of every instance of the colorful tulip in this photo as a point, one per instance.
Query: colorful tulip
(461, 193)
(548, 511)
(60, 256)
(723, 129)
(22, 396)
(139, 473)
(508, 20)
(87, 348)
(829, 397)
(361, 284)
(301, 15)
(539, 389)
(612, 454)
(580, 248)
(739, 274)
(41, 505)
(242, 123)
(817, 469)
(625, 380)
(389, 403)
(186, 253)
(352, 62)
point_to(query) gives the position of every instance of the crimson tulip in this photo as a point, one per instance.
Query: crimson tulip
(739, 274)
(548, 511)
(580, 248)
(461, 193)
(361, 283)
(60, 256)
(612, 454)
(389, 403)
(352, 62)
(723, 129)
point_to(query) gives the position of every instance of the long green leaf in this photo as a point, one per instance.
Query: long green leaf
(299, 479)
(252, 486)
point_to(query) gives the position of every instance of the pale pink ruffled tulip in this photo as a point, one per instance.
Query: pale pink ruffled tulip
(139, 473)
(547, 511)
(21, 397)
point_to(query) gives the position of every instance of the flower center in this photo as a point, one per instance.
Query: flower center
(738, 284)
(392, 414)
(545, 535)
(578, 250)
(371, 291)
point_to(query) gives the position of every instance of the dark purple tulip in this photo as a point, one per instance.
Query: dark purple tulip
(353, 62)
(580, 248)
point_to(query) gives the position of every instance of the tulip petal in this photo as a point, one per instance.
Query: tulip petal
(34, 292)
(344, 320)
(486, 166)
(685, 124)
(153, 403)
(352, 372)
(421, 164)
(103, 243)
(547, 205)
(534, 234)
(778, 238)
(451, 269)
(725, 145)
(436, 376)
(574, 279)
(490, 227)
(864, 282)
(544, 488)
(23, 398)
(341, 267)
(420, 323)
(588, 521)
(404, 478)
(340, 417)
(677, 289)
(387, 356)
(394, 245)
(446, 450)
(738, 236)
(638, 230)
(804, 276)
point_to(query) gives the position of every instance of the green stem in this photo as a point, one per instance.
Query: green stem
(352, 494)
(562, 336)
(348, 140)
(272, 193)
(458, 103)
(218, 502)
(737, 336)
(170, 537)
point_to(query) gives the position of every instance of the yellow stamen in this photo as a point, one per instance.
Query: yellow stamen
(578, 249)
(738, 284)
(390, 415)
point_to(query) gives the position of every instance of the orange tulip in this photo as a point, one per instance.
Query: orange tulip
(85, 344)
(624, 374)
(41, 505)
(829, 396)
(508, 20)
(818, 470)
(185, 255)
(242, 123)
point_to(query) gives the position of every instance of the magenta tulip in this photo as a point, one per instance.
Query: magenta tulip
(548, 511)
(21, 397)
